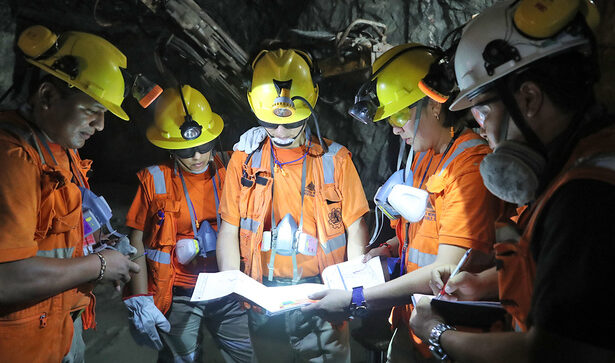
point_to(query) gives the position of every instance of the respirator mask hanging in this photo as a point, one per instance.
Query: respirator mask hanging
(397, 198)
(290, 239)
(204, 244)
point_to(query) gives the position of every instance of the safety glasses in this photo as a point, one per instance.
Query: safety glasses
(400, 118)
(189, 152)
(289, 126)
(482, 109)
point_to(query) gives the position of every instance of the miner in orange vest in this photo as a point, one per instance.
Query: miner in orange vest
(45, 280)
(290, 208)
(526, 70)
(438, 204)
(174, 217)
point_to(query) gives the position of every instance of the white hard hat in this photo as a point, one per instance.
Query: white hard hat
(492, 46)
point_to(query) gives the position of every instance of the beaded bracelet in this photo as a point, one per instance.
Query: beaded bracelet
(103, 266)
(388, 246)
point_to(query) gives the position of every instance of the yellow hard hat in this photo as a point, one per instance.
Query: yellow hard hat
(170, 115)
(83, 60)
(397, 84)
(278, 76)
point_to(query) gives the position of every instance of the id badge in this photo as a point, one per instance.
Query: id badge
(307, 245)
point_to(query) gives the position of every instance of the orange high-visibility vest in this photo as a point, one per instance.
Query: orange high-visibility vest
(161, 236)
(593, 158)
(43, 331)
(255, 204)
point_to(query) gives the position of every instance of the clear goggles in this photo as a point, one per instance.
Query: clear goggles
(481, 110)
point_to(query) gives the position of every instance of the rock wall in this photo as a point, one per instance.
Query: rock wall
(122, 149)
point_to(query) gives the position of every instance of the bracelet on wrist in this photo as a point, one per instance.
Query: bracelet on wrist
(388, 246)
(103, 266)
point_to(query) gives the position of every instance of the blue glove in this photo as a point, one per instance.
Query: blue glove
(250, 140)
(145, 317)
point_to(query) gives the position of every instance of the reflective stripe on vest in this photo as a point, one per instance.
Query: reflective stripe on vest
(328, 167)
(159, 183)
(461, 148)
(420, 258)
(249, 224)
(420, 158)
(158, 256)
(57, 253)
(334, 244)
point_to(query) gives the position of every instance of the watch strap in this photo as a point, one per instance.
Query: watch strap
(434, 340)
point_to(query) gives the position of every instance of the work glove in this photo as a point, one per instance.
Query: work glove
(250, 140)
(124, 246)
(145, 318)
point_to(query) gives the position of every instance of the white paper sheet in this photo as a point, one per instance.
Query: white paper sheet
(346, 275)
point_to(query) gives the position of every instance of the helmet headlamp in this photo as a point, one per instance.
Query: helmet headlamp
(190, 129)
(365, 103)
(283, 105)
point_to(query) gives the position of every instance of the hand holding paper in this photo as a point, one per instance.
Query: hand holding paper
(343, 276)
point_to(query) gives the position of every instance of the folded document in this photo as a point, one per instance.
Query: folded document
(345, 275)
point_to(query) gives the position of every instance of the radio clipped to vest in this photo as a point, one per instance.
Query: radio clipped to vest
(96, 214)
(290, 239)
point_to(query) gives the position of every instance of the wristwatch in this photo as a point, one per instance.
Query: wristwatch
(358, 305)
(434, 340)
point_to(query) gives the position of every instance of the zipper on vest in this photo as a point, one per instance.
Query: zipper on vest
(43, 320)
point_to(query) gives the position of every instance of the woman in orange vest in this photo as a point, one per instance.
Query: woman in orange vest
(174, 217)
(438, 205)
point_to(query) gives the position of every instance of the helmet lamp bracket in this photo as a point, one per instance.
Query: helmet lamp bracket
(67, 64)
(498, 52)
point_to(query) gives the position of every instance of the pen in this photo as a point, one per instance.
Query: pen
(461, 262)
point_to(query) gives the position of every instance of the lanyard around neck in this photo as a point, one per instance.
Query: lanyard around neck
(274, 231)
(193, 218)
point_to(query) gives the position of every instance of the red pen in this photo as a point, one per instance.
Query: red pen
(461, 262)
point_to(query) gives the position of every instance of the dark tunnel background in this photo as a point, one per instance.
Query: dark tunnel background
(212, 46)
